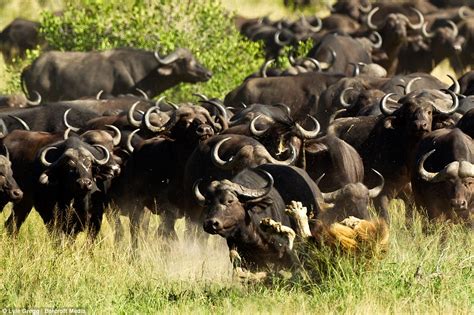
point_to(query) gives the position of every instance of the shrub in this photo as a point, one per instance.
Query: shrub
(202, 26)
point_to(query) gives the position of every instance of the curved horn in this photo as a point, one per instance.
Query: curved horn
(166, 60)
(383, 105)
(215, 155)
(309, 134)
(117, 136)
(257, 193)
(454, 27)
(365, 9)
(3, 128)
(457, 88)
(330, 197)
(37, 101)
(319, 179)
(288, 161)
(315, 63)
(374, 192)
(254, 130)
(197, 193)
(66, 113)
(308, 25)
(425, 175)
(424, 31)
(7, 153)
(263, 70)
(159, 100)
(21, 121)
(130, 147)
(97, 97)
(148, 124)
(201, 96)
(66, 133)
(370, 24)
(220, 108)
(420, 17)
(285, 107)
(466, 169)
(335, 115)
(278, 41)
(409, 84)
(333, 58)
(454, 106)
(291, 59)
(174, 105)
(131, 119)
(463, 12)
(342, 99)
(379, 42)
(356, 69)
(43, 156)
(145, 96)
(106, 157)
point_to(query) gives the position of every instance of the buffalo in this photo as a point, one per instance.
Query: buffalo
(67, 75)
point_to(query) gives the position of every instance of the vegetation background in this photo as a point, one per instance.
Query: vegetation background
(422, 272)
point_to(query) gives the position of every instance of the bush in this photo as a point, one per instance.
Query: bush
(202, 26)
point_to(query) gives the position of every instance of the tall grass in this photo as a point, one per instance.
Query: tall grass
(423, 272)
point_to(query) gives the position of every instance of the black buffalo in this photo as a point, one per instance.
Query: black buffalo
(443, 176)
(19, 36)
(71, 75)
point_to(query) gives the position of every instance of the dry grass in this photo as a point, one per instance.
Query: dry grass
(185, 276)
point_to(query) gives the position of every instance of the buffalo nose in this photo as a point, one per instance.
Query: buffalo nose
(460, 204)
(212, 225)
(16, 194)
(85, 183)
(421, 125)
(204, 130)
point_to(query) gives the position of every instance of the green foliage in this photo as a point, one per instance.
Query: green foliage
(199, 25)
(300, 51)
(13, 71)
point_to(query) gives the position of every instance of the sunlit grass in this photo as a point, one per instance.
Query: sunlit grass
(186, 276)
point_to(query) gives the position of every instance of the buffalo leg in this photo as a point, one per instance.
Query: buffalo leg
(19, 214)
(136, 217)
(113, 217)
(166, 228)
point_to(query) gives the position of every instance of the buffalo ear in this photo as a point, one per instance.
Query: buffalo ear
(44, 179)
(390, 122)
(166, 70)
(315, 147)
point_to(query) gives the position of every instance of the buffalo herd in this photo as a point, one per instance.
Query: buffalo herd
(289, 158)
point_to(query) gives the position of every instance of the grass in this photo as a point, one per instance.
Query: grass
(185, 277)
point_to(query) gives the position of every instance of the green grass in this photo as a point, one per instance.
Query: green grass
(184, 277)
